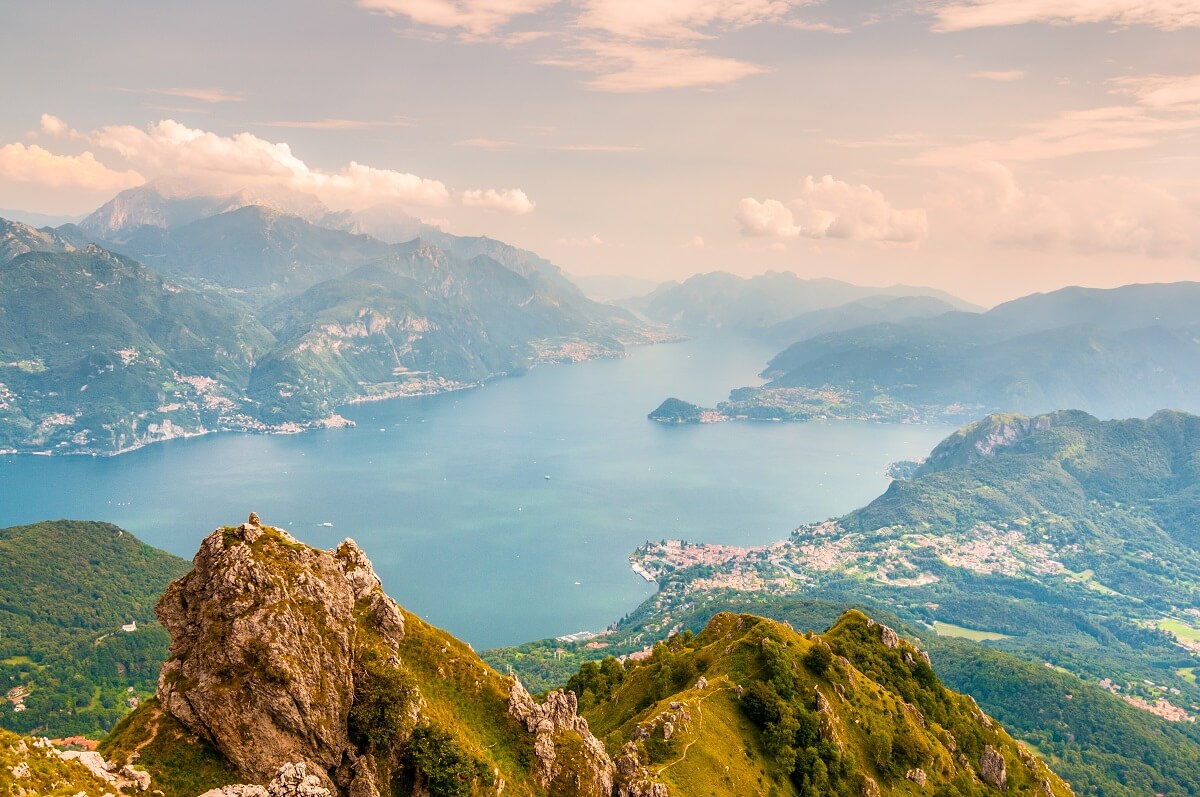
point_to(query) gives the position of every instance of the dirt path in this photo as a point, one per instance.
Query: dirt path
(699, 725)
(136, 752)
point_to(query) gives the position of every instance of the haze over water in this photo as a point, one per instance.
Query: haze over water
(449, 496)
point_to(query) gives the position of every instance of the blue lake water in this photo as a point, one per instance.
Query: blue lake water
(449, 496)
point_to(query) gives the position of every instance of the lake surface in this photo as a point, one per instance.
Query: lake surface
(448, 494)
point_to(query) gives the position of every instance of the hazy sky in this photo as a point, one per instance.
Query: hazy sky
(988, 147)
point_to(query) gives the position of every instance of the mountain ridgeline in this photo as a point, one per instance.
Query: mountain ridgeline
(286, 655)
(1115, 353)
(254, 320)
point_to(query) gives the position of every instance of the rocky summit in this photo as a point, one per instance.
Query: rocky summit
(292, 674)
(286, 655)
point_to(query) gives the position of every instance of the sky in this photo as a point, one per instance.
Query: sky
(990, 148)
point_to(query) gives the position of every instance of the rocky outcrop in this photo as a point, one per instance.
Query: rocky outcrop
(263, 649)
(555, 723)
(292, 780)
(992, 768)
(633, 777)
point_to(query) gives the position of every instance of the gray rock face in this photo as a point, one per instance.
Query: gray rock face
(292, 780)
(550, 721)
(140, 779)
(633, 777)
(92, 761)
(262, 662)
(992, 768)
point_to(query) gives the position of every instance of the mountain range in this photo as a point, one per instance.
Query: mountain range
(248, 318)
(1116, 353)
(771, 303)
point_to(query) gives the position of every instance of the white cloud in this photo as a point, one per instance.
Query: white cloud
(204, 95)
(1163, 14)
(829, 208)
(697, 242)
(210, 161)
(338, 124)
(1107, 129)
(476, 17)
(591, 240)
(630, 47)
(1001, 76)
(598, 148)
(680, 19)
(1096, 215)
(211, 95)
(1163, 105)
(33, 164)
(53, 126)
(506, 200)
(770, 218)
(623, 67)
(245, 160)
(484, 143)
(1162, 92)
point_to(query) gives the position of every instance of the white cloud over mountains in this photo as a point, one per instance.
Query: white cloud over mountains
(215, 162)
(34, 164)
(830, 208)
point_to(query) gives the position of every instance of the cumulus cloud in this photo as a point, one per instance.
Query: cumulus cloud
(830, 208)
(211, 161)
(1163, 14)
(33, 164)
(506, 200)
(1104, 214)
(53, 126)
(476, 17)
(768, 219)
(624, 67)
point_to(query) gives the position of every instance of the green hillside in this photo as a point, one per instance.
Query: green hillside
(66, 588)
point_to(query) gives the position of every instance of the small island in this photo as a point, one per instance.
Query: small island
(675, 410)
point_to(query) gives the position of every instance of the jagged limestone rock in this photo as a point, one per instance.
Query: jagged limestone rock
(92, 761)
(992, 768)
(262, 661)
(559, 714)
(291, 780)
(140, 779)
(917, 776)
(633, 777)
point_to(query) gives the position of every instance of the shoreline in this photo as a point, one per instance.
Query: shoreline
(334, 420)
